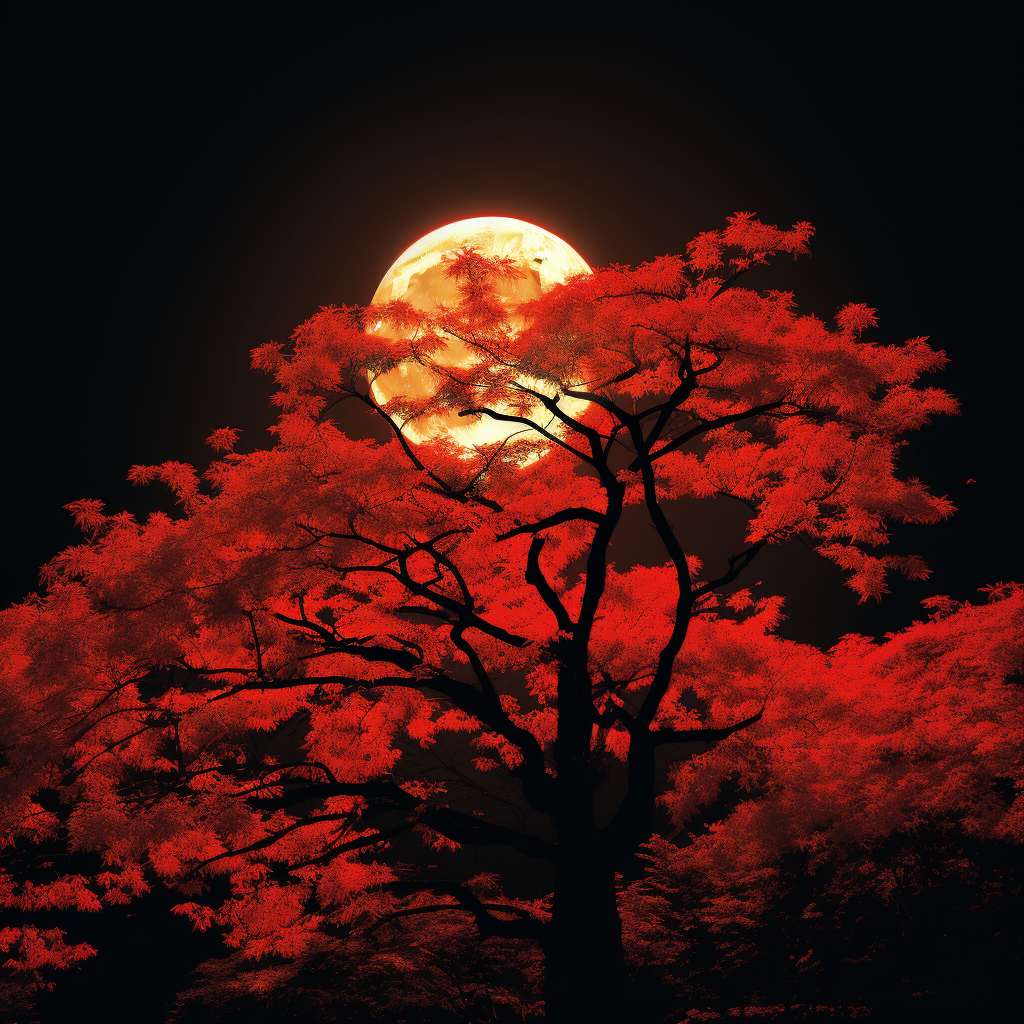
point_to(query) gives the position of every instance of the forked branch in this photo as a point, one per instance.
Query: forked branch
(525, 927)
(662, 736)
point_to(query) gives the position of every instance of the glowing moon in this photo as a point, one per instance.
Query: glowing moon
(418, 277)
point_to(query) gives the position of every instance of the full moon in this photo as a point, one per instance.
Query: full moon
(418, 277)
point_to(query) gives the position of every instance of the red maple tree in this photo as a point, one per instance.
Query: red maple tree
(245, 694)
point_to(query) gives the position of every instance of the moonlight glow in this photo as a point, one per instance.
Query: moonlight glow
(417, 277)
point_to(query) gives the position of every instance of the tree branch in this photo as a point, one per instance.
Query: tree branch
(567, 515)
(471, 830)
(535, 577)
(505, 418)
(463, 495)
(322, 790)
(485, 708)
(404, 659)
(528, 927)
(737, 563)
(262, 844)
(702, 428)
(662, 736)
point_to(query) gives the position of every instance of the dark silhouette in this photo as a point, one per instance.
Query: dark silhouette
(240, 702)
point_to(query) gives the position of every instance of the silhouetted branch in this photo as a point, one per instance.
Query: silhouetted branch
(505, 418)
(467, 828)
(323, 790)
(527, 927)
(737, 563)
(707, 425)
(567, 515)
(662, 736)
(535, 577)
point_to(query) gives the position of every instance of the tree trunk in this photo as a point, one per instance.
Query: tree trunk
(584, 969)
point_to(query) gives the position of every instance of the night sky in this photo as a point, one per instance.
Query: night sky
(186, 189)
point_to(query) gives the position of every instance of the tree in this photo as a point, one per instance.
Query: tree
(245, 693)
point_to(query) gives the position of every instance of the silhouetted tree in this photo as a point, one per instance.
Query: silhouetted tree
(235, 696)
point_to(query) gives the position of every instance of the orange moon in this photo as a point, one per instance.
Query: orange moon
(418, 277)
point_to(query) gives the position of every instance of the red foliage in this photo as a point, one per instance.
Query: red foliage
(242, 690)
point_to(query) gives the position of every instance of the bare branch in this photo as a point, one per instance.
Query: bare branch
(722, 421)
(535, 577)
(467, 828)
(737, 563)
(567, 515)
(463, 495)
(262, 844)
(404, 659)
(322, 790)
(662, 736)
(527, 927)
(505, 418)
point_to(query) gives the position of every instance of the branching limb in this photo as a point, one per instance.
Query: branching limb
(404, 659)
(322, 790)
(603, 402)
(721, 421)
(567, 515)
(737, 563)
(666, 410)
(487, 709)
(526, 927)
(729, 282)
(469, 829)
(684, 600)
(462, 495)
(384, 835)
(551, 404)
(262, 844)
(506, 418)
(662, 736)
(479, 670)
(536, 578)
(448, 603)
(260, 672)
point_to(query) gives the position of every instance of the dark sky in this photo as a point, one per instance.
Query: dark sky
(186, 188)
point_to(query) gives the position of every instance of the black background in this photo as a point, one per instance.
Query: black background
(186, 187)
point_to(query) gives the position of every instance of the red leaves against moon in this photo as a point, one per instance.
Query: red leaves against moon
(278, 699)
